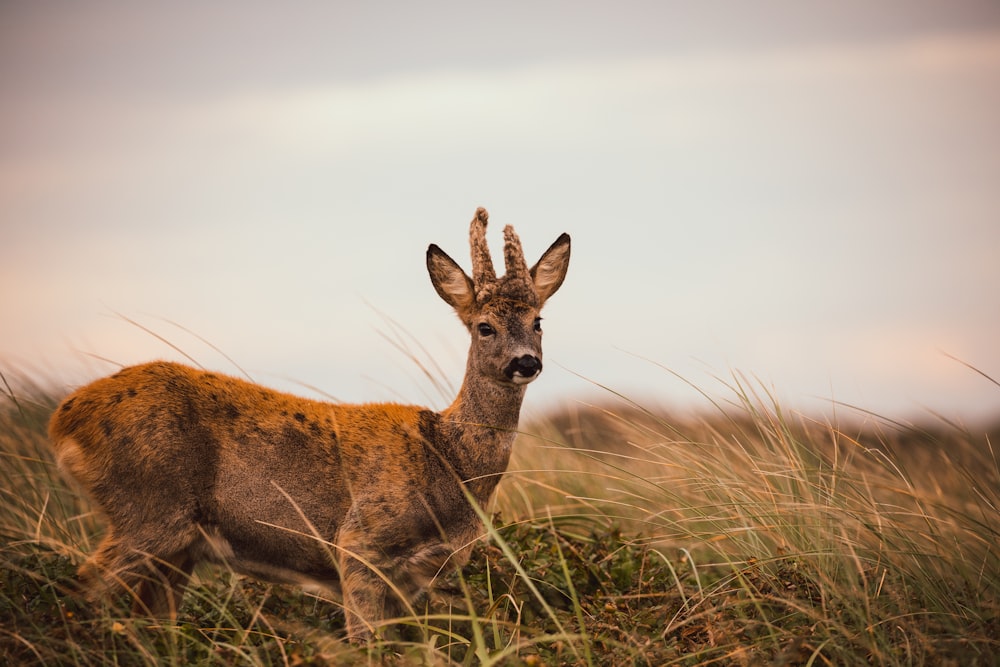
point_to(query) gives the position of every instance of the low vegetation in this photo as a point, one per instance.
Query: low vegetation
(622, 535)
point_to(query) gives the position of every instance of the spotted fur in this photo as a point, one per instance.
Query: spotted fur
(370, 500)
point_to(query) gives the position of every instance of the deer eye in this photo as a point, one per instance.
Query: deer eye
(485, 329)
(538, 324)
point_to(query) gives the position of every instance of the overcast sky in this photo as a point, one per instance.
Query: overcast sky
(806, 193)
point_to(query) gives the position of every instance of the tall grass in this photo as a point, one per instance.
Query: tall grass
(807, 541)
(623, 535)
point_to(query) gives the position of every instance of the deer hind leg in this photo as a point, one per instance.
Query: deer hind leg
(159, 593)
(110, 570)
(156, 584)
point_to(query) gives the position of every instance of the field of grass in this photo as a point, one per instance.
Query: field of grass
(743, 535)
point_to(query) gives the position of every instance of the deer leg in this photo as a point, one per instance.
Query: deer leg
(365, 595)
(156, 584)
(111, 569)
(159, 594)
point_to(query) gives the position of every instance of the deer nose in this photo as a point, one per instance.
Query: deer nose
(524, 369)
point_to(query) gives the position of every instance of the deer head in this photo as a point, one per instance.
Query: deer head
(501, 314)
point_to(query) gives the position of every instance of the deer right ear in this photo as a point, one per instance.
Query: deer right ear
(550, 271)
(450, 281)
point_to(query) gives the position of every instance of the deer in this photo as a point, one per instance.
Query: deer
(370, 502)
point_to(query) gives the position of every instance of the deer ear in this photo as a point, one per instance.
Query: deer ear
(550, 271)
(450, 281)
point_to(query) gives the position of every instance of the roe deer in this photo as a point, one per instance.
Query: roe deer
(373, 500)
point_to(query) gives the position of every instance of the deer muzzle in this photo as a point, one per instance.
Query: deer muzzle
(523, 369)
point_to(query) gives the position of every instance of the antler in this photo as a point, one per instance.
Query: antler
(513, 255)
(517, 283)
(483, 273)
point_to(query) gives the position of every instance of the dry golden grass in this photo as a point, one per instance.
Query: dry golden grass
(743, 535)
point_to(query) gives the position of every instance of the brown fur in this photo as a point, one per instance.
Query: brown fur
(371, 499)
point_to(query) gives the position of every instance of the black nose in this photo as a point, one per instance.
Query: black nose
(527, 366)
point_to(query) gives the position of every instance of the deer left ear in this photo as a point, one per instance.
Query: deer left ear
(550, 271)
(450, 281)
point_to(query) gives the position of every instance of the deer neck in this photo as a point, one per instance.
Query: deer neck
(481, 425)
